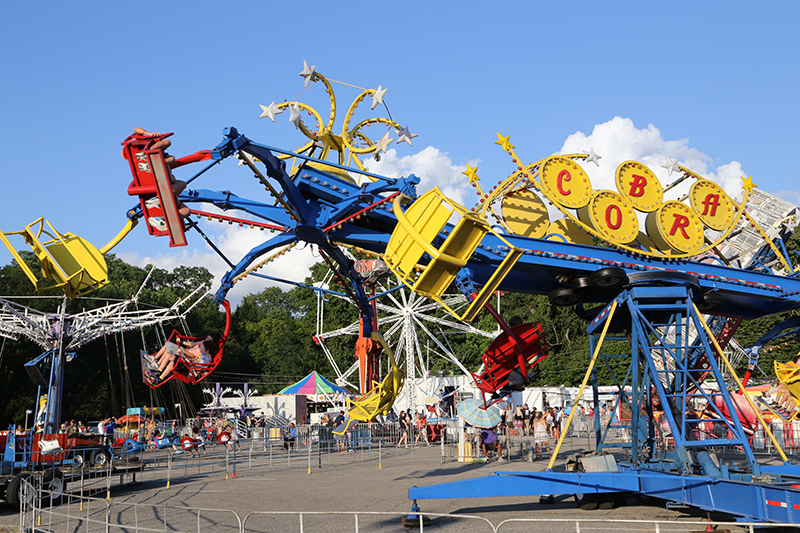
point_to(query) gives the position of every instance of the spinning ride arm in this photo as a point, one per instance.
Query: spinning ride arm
(300, 212)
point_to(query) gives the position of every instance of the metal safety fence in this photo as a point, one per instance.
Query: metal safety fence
(39, 514)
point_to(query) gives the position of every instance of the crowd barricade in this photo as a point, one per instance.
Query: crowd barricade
(87, 514)
(73, 512)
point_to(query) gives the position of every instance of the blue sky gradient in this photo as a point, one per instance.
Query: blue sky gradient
(715, 79)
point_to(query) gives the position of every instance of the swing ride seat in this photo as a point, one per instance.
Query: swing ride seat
(504, 355)
(380, 399)
(153, 185)
(188, 372)
(413, 238)
(76, 265)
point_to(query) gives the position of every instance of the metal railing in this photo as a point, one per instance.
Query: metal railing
(87, 514)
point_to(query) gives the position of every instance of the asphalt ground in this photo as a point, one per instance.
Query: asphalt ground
(345, 483)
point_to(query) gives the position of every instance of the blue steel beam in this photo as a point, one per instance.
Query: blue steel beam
(324, 198)
(747, 500)
(741, 293)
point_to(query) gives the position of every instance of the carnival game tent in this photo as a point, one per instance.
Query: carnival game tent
(314, 384)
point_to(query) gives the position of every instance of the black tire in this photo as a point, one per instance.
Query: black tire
(606, 504)
(711, 303)
(581, 285)
(587, 502)
(662, 278)
(608, 278)
(54, 482)
(100, 457)
(78, 460)
(14, 489)
(563, 297)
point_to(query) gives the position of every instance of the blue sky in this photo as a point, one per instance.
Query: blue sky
(713, 84)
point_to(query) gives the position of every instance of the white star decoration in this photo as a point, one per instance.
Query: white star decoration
(308, 72)
(294, 115)
(383, 144)
(405, 136)
(377, 96)
(270, 111)
(592, 157)
(672, 165)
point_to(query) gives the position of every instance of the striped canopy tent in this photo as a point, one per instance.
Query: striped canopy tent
(314, 384)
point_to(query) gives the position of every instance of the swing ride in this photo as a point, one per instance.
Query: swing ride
(653, 268)
(62, 334)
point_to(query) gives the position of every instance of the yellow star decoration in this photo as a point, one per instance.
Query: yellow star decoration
(748, 184)
(472, 174)
(504, 142)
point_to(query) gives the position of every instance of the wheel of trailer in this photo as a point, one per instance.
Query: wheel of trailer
(587, 502)
(605, 501)
(100, 457)
(54, 482)
(14, 494)
(78, 460)
(563, 297)
(608, 278)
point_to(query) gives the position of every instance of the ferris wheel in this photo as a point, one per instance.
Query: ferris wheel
(415, 327)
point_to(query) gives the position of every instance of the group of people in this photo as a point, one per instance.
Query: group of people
(201, 352)
(73, 429)
(543, 426)
(416, 425)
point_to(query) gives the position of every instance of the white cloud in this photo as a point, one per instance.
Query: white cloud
(619, 140)
(432, 166)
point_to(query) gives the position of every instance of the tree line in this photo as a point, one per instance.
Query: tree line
(271, 343)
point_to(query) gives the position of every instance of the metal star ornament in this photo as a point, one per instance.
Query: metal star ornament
(377, 96)
(472, 174)
(383, 144)
(672, 165)
(308, 72)
(294, 115)
(748, 184)
(592, 157)
(405, 136)
(504, 142)
(270, 111)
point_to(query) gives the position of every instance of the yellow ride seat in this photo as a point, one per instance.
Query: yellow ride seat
(789, 375)
(381, 398)
(414, 234)
(75, 264)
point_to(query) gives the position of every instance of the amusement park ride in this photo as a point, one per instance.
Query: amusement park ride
(652, 267)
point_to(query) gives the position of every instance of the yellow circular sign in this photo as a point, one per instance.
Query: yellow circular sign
(611, 215)
(639, 186)
(676, 226)
(570, 231)
(566, 182)
(525, 214)
(712, 205)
